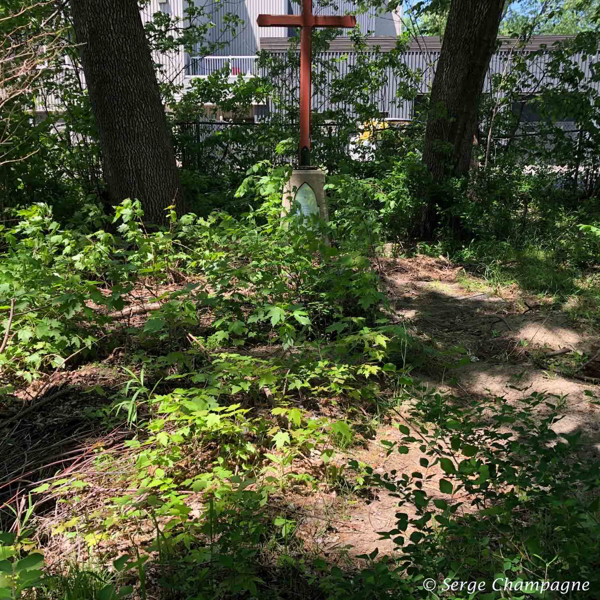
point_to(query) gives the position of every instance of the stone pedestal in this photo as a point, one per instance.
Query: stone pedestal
(305, 193)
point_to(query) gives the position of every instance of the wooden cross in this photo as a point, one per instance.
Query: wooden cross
(306, 21)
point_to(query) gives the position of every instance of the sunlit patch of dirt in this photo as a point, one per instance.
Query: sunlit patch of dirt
(508, 347)
(551, 330)
(351, 523)
(419, 269)
(514, 382)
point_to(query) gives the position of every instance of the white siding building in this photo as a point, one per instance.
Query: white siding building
(240, 48)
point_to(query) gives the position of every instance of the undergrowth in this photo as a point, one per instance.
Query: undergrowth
(262, 357)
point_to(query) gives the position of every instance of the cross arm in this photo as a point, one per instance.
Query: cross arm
(279, 20)
(305, 21)
(319, 21)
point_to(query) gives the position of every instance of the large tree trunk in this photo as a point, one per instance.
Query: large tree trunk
(469, 42)
(139, 159)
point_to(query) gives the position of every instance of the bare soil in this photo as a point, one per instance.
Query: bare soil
(515, 344)
(512, 352)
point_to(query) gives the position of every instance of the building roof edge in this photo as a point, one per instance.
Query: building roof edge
(420, 44)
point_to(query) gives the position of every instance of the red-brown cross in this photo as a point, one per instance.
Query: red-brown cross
(306, 21)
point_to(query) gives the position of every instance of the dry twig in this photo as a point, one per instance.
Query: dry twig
(8, 326)
(33, 406)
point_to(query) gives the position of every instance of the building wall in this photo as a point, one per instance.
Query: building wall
(247, 38)
(387, 23)
(174, 62)
(422, 56)
(246, 41)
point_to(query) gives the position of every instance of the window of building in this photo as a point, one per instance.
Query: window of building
(527, 109)
(419, 108)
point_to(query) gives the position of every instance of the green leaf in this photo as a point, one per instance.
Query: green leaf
(25, 334)
(277, 315)
(107, 592)
(381, 340)
(219, 336)
(30, 577)
(7, 538)
(302, 317)
(200, 485)
(281, 438)
(5, 566)
(447, 466)
(295, 416)
(342, 428)
(125, 591)
(416, 537)
(469, 450)
(337, 327)
(77, 484)
(5, 593)
(29, 562)
(267, 379)
(533, 545)
(212, 419)
(441, 504)
(154, 325)
(6, 552)
(119, 564)
(445, 486)
(484, 474)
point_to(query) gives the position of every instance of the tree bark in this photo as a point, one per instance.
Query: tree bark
(468, 45)
(139, 159)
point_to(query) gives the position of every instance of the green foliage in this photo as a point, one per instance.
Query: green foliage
(567, 17)
(20, 569)
(265, 344)
(278, 321)
(369, 212)
(50, 276)
(533, 512)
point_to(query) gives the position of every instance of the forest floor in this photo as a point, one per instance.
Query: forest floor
(476, 341)
(516, 344)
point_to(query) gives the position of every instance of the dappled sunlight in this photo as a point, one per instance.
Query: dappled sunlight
(551, 331)
(581, 409)
(394, 388)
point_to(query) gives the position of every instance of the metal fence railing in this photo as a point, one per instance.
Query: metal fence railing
(207, 65)
(237, 142)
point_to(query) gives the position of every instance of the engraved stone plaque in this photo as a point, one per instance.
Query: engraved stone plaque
(307, 201)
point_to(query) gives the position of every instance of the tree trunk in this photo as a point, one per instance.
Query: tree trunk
(468, 45)
(139, 159)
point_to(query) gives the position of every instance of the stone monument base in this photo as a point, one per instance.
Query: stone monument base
(306, 187)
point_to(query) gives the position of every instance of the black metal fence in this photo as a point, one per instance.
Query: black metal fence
(239, 144)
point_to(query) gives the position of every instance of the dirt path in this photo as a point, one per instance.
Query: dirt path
(515, 345)
(510, 345)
